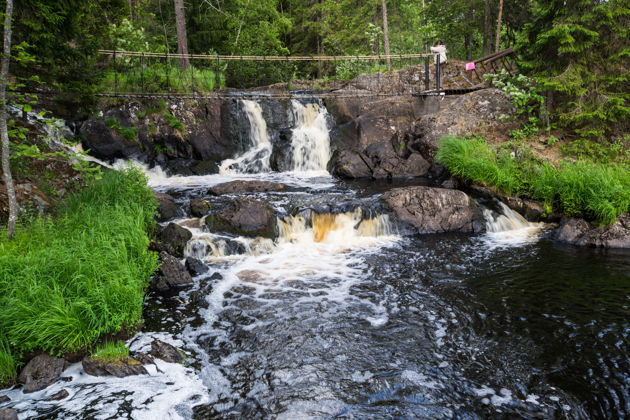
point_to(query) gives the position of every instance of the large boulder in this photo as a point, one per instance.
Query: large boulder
(582, 233)
(167, 209)
(349, 164)
(42, 371)
(434, 210)
(120, 368)
(172, 273)
(460, 116)
(177, 237)
(246, 217)
(166, 352)
(105, 143)
(240, 186)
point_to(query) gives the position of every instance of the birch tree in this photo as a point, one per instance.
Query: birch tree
(4, 132)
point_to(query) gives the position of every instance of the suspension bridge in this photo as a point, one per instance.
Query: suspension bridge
(133, 74)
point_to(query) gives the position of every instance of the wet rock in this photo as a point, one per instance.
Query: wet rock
(172, 274)
(195, 267)
(199, 207)
(166, 352)
(8, 414)
(348, 164)
(386, 162)
(167, 209)
(125, 367)
(237, 187)
(105, 143)
(450, 183)
(432, 210)
(531, 210)
(582, 233)
(205, 167)
(58, 396)
(4, 398)
(177, 237)
(42, 371)
(246, 217)
(145, 359)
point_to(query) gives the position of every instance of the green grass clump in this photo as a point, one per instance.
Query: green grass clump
(591, 190)
(67, 280)
(134, 78)
(173, 122)
(8, 365)
(111, 351)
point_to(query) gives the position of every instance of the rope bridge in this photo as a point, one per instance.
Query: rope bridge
(137, 74)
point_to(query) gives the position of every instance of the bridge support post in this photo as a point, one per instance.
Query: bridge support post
(426, 73)
(438, 73)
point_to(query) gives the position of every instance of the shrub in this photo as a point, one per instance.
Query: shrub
(8, 368)
(174, 123)
(585, 189)
(66, 281)
(111, 351)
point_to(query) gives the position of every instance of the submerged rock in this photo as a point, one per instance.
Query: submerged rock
(124, 367)
(195, 266)
(4, 398)
(42, 371)
(167, 209)
(582, 233)
(166, 352)
(177, 237)
(171, 274)
(58, 395)
(433, 210)
(246, 217)
(239, 186)
(8, 414)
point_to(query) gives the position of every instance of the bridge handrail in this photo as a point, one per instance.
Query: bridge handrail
(494, 56)
(116, 53)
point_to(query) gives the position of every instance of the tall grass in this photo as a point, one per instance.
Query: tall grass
(591, 190)
(65, 281)
(157, 79)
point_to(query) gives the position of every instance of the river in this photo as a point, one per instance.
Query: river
(349, 315)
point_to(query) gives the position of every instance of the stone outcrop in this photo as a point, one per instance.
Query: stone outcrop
(120, 368)
(246, 217)
(434, 210)
(177, 237)
(195, 267)
(40, 372)
(240, 186)
(199, 207)
(582, 233)
(8, 414)
(172, 273)
(167, 209)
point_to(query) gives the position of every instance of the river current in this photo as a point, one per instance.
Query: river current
(348, 315)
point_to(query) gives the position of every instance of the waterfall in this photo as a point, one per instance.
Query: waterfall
(310, 142)
(256, 159)
(342, 229)
(509, 227)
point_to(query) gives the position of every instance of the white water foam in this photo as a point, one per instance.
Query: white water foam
(509, 228)
(310, 142)
(256, 159)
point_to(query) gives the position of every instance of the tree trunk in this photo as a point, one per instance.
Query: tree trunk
(498, 41)
(4, 132)
(386, 36)
(487, 28)
(468, 40)
(182, 39)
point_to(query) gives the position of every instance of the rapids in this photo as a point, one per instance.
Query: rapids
(348, 315)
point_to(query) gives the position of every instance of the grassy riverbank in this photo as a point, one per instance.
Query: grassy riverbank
(591, 190)
(68, 279)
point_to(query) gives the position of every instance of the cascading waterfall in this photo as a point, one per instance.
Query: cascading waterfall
(508, 225)
(310, 141)
(256, 159)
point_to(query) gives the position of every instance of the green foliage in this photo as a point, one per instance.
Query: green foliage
(158, 78)
(174, 123)
(66, 281)
(578, 54)
(585, 189)
(111, 352)
(8, 365)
